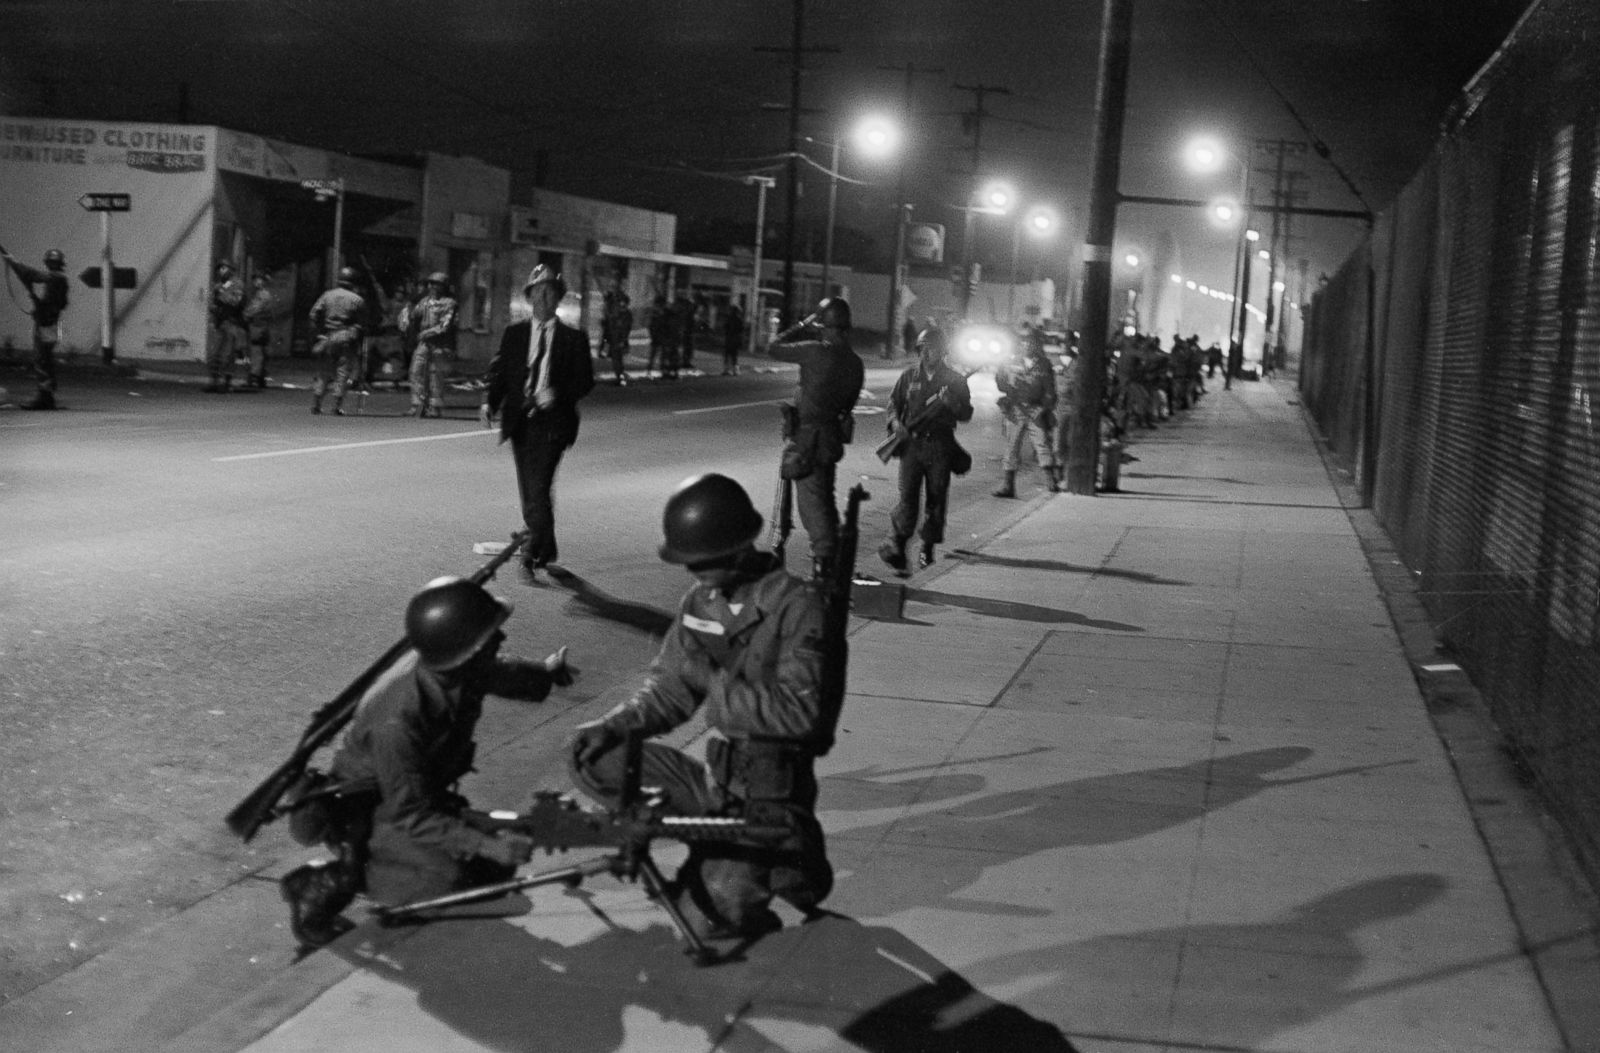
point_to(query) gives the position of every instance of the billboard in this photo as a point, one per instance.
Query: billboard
(169, 174)
(925, 242)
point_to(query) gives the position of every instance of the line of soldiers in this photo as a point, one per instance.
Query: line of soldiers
(1151, 384)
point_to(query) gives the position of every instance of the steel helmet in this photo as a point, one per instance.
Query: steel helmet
(224, 269)
(933, 338)
(708, 517)
(451, 619)
(543, 274)
(834, 313)
(53, 260)
(347, 276)
(439, 278)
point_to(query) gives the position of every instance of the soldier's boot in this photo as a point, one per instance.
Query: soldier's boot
(316, 404)
(227, 383)
(1008, 487)
(893, 552)
(1053, 478)
(338, 405)
(925, 557)
(316, 894)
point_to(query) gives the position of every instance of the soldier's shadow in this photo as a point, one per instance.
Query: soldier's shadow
(507, 989)
(1094, 810)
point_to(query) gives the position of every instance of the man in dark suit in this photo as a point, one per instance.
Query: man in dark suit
(534, 382)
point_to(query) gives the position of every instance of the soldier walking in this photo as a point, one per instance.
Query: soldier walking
(1028, 399)
(48, 303)
(820, 423)
(928, 401)
(337, 317)
(434, 318)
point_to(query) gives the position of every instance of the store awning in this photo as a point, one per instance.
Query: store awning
(703, 262)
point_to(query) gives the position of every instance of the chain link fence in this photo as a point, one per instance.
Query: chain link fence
(1453, 363)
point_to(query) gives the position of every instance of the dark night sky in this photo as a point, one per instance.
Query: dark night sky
(623, 99)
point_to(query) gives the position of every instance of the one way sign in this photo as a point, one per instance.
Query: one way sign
(107, 202)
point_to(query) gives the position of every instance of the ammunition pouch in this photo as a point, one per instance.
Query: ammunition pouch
(759, 772)
(799, 457)
(323, 810)
(960, 459)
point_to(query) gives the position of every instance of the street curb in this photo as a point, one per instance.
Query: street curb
(1555, 909)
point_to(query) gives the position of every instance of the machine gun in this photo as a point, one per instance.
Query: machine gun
(556, 823)
(261, 805)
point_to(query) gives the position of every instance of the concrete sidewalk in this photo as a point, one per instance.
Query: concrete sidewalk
(1139, 772)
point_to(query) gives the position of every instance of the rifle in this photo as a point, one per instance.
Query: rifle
(782, 516)
(836, 615)
(556, 823)
(891, 447)
(260, 805)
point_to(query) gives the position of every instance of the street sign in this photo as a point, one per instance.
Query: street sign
(121, 277)
(107, 202)
(329, 185)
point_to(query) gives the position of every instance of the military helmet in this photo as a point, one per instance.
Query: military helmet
(439, 278)
(451, 620)
(224, 269)
(932, 338)
(347, 276)
(708, 517)
(834, 313)
(53, 260)
(543, 274)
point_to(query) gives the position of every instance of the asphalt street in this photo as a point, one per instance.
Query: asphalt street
(185, 577)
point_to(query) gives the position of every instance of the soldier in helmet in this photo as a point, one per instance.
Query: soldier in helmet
(339, 319)
(533, 384)
(434, 318)
(821, 421)
(392, 814)
(48, 302)
(927, 402)
(747, 646)
(229, 337)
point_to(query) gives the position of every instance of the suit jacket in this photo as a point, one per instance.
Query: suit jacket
(571, 378)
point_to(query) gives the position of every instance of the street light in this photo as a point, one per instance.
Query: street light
(994, 199)
(876, 137)
(1040, 221)
(1205, 154)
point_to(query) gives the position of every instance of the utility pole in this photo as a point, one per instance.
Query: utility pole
(898, 250)
(1111, 96)
(968, 228)
(1283, 197)
(754, 319)
(797, 52)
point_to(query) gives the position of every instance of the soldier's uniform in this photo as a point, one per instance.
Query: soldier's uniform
(1028, 399)
(338, 318)
(934, 403)
(831, 374)
(258, 314)
(434, 318)
(752, 657)
(229, 337)
(48, 304)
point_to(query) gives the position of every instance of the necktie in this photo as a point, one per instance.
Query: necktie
(535, 365)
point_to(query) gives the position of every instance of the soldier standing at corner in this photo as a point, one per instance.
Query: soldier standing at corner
(434, 319)
(48, 303)
(229, 338)
(1028, 400)
(821, 424)
(337, 318)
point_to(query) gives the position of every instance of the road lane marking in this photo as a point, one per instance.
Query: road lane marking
(718, 409)
(353, 445)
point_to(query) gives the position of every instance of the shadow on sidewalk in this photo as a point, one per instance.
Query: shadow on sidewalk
(502, 987)
(989, 831)
(603, 605)
(1022, 612)
(1244, 984)
(968, 556)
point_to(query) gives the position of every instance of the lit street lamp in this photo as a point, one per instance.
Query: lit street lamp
(1040, 222)
(876, 137)
(1205, 155)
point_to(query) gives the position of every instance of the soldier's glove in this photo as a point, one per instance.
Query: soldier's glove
(593, 739)
(544, 398)
(508, 848)
(486, 415)
(561, 674)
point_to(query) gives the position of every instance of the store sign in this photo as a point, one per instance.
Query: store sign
(925, 242)
(164, 148)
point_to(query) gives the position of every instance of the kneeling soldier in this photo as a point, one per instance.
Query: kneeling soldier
(391, 812)
(747, 645)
